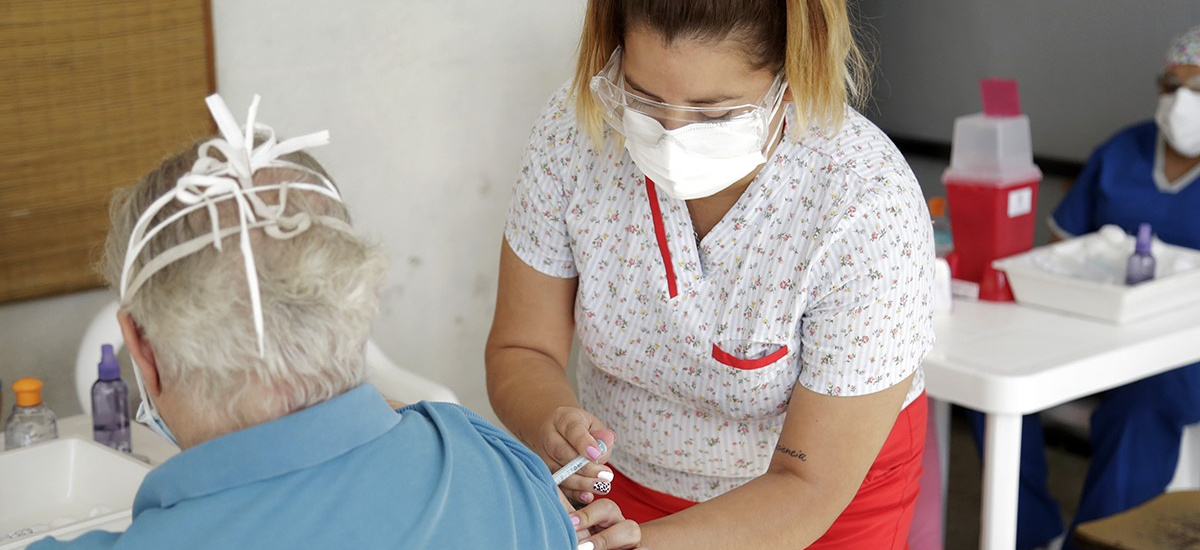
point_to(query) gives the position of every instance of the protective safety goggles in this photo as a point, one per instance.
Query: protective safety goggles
(609, 88)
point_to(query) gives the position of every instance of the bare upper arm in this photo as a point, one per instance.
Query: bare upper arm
(534, 311)
(831, 442)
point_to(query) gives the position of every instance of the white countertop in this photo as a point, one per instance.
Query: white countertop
(1008, 358)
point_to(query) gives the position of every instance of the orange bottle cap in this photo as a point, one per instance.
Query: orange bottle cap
(29, 392)
(937, 206)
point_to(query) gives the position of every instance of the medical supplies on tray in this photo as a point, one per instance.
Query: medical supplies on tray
(1086, 276)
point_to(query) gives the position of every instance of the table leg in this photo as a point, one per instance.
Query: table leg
(941, 416)
(1001, 473)
(941, 430)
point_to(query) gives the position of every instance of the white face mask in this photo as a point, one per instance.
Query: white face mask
(1178, 118)
(698, 160)
(147, 415)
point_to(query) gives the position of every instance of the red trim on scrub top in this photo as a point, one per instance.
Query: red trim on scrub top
(660, 234)
(725, 358)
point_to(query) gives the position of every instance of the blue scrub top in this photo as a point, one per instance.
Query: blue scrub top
(349, 473)
(1117, 187)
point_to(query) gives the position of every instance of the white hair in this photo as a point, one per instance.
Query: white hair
(319, 292)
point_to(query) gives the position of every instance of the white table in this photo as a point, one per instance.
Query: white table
(1008, 360)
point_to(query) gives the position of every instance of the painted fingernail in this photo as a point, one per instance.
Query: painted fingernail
(605, 475)
(602, 487)
(586, 498)
(575, 520)
(586, 545)
(593, 453)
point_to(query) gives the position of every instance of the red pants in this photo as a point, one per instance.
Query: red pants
(879, 516)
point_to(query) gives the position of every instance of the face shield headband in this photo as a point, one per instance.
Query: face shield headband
(214, 180)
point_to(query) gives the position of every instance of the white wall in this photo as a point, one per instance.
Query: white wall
(1085, 68)
(40, 338)
(429, 103)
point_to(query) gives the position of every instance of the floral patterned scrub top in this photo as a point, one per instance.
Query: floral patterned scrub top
(820, 275)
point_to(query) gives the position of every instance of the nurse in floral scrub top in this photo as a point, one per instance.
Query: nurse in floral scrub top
(746, 264)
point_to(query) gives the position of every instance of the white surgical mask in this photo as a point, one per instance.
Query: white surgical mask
(1178, 118)
(709, 149)
(147, 415)
(701, 159)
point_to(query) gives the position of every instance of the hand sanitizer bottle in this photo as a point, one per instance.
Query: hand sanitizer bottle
(943, 240)
(1140, 267)
(110, 403)
(31, 420)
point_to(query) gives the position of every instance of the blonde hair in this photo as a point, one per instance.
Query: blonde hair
(811, 41)
(319, 292)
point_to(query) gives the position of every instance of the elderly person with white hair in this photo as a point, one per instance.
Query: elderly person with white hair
(247, 301)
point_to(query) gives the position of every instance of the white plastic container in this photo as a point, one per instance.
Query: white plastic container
(991, 151)
(1178, 284)
(64, 488)
(991, 183)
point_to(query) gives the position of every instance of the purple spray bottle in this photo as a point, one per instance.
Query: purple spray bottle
(1140, 267)
(110, 403)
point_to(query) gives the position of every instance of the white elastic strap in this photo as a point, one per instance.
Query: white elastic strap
(212, 180)
(138, 241)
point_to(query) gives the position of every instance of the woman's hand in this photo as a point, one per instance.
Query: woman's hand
(572, 432)
(601, 526)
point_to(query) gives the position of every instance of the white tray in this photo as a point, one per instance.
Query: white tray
(1113, 303)
(64, 488)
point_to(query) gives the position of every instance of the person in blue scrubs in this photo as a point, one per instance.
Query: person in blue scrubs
(246, 303)
(1149, 172)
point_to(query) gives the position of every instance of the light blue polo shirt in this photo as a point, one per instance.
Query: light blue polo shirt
(349, 473)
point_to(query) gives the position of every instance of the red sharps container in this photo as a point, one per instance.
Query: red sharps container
(991, 184)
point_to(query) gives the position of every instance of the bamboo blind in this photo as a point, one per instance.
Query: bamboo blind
(93, 94)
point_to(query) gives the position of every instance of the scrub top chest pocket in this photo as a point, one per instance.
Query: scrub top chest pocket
(752, 372)
(725, 343)
(748, 355)
(727, 364)
(756, 378)
(709, 386)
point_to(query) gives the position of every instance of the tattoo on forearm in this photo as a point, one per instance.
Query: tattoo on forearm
(792, 453)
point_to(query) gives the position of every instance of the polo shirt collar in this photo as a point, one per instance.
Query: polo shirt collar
(297, 441)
